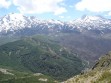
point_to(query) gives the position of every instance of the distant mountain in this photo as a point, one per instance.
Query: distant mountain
(19, 24)
(100, 73)
(40, 54)
(93, 23)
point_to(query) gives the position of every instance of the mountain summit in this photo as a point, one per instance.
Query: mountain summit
(86, 17)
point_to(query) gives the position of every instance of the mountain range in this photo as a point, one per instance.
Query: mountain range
(19, 24)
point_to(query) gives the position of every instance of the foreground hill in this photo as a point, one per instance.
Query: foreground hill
(100, 73)
(40, 54)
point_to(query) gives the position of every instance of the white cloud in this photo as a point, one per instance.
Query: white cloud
(39, 6)
(5, 3)
(109, 14)
(61, 17)
(94, 5)
(60, 11)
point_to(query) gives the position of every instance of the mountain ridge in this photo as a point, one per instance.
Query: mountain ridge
(16, 23)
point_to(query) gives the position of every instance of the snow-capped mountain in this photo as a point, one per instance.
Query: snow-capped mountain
(14, 23)
(92, 22)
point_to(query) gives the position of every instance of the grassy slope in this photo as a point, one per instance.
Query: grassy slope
(40, 54)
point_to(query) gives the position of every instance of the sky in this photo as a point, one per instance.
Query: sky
(56, 9)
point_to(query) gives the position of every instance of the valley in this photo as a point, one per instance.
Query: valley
(54, 49)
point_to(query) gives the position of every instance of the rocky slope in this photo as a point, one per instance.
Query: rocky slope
(100, 73)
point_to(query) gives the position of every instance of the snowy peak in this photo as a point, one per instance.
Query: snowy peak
(92, 23)
(93, 18)
(12, 21)
(15, 22)
(14, 16)
(86, 18)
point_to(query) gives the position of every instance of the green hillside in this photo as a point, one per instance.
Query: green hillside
(100, 73)
(12, 76)
(7, 39)
(40, 54)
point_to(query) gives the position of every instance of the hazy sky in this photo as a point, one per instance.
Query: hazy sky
(56, 9)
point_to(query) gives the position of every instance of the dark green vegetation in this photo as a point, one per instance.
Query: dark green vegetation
(40, 54)
(23, 77)
(100, 73)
